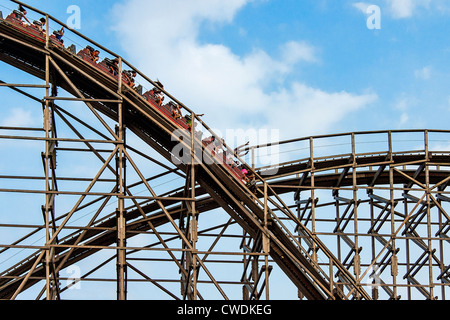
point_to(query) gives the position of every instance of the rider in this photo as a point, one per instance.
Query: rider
(59, 34)
(157, 93)
(115, 66)
(95, 55)
(188, 120)
(249, 178)
(130, 75)
(175, 109)
(21, 13)
(40, 24)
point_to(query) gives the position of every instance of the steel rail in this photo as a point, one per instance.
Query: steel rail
(252, 213)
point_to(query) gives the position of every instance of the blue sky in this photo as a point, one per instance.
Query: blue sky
(303, 67)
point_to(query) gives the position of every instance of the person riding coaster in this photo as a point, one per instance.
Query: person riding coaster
(113, 65)
(129, 76)
(39, 25)
(249, 178)
(92, 53)
(157, 92)
(58, 34)
(175, 110)
(20, 14)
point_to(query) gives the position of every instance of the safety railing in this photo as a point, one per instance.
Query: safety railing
(345, 145)
(80, 45)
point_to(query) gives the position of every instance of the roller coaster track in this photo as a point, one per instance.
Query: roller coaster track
(209, 184)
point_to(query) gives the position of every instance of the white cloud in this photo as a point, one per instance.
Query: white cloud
(406, 8)
(308, 110)
(402, 104)
(294, 52)
(424, 73)
(403, 119)
(233, 91)
(405, 105)
(361, 6)
(402, 9)
(19, 118)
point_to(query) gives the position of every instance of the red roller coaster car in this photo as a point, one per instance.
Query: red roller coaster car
(110, 67)
(31, 30)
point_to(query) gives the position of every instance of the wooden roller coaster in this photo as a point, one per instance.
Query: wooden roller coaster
(344, 216)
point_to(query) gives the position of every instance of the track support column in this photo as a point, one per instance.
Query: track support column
(120, 212)
(49, 163)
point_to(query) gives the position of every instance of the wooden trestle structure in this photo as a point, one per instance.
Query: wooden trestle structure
(345, 216)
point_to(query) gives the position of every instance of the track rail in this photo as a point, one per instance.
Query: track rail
(112, 98)
(34, 55)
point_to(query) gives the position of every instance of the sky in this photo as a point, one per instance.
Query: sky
(300, 67)
(297, 68)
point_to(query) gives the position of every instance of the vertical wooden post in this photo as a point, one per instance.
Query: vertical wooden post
(120, 213)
